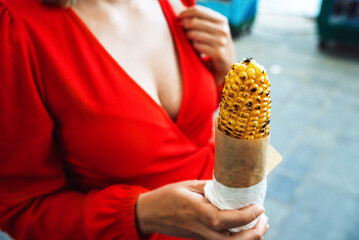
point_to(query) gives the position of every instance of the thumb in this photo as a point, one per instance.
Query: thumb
(197, 186)
(237, 218)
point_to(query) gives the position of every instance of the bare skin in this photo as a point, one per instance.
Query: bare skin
(136, 35)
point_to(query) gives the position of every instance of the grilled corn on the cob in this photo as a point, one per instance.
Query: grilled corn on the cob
(245, 107)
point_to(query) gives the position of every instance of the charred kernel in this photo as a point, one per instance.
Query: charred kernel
(243, 76)
(249, 137)
(268, 121)
(244, 115)
(263, 125)
(243, 88)
(240, 126)
(239, 130)
(253, 119)
(229, 128)
(236, 106)
(253, 124)
(247, 60)
(254, 88)
(245, 94)
(257, 99)
(260, 80)
(260, 91)
(239, 99)
(249, 82)
(238, 135)
(233, 116)
(257, 106)
(224, 123)
(250, 129)
(261, 131)
(231, 94)
(251, 133)
(227, 132)
(242, 120)
(246, 109)
(248, 102)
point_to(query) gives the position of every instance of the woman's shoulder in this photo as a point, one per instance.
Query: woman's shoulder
(28, 13)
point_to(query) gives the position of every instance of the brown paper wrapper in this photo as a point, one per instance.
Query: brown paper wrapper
(242, 163)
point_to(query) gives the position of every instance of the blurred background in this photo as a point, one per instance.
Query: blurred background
(311, 51)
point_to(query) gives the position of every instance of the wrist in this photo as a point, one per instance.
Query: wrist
(141, 215)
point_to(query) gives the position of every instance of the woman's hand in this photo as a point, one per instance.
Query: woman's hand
(210, 34)
(181, 210)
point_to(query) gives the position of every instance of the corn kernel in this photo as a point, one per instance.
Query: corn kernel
(250, 73)
(243, 75)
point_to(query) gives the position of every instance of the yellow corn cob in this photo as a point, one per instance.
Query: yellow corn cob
(245, 107)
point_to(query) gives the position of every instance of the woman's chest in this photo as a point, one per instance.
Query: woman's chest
(141, 43)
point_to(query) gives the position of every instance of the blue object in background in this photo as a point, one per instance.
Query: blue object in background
(240, 13)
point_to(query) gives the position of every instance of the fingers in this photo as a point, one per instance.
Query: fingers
(203, 25)
(226, 219)
(207, 49)
(236, 218)
(255, 233)
(202, 12)
(207, 32)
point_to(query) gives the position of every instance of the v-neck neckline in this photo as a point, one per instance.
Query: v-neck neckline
(179, 56)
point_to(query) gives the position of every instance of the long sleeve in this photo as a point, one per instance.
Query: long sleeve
(36, 200)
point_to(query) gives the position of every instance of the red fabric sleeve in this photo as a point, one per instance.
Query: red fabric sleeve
(36, 200)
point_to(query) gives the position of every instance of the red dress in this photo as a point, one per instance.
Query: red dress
(79, 139)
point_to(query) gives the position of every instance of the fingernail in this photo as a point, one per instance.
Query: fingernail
(258, 211)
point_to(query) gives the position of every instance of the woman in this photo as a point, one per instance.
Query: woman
(106, 111)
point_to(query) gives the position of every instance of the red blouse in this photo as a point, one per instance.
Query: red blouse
(79, 139)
